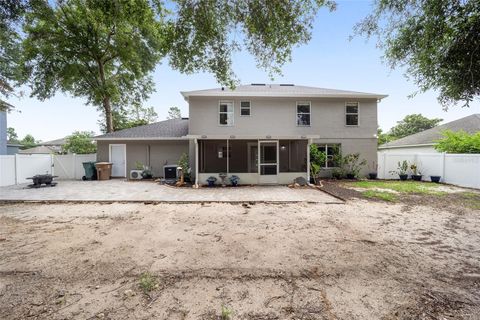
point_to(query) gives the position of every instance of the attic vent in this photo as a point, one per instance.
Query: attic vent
(258, 84)
(286, 85)
(184, 118)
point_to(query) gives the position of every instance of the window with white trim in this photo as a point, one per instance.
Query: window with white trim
(245, 108)
(331, 150)
(351, 114)
(303, 114)
(225, 113)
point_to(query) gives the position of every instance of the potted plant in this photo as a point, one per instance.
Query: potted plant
(234, 180)
(402, 170)
(435, 179)
(353, 165)
(416, 174)
(147, 173)
(373, 174)
(211, 181)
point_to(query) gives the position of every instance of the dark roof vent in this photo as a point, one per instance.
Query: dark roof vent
(184, 118)
(286, 85)
(258, 84)
(223, 88)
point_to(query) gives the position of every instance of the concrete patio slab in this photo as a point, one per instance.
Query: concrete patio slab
(139, 191)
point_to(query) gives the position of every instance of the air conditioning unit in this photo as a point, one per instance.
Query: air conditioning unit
(136, 174)
(170, 172)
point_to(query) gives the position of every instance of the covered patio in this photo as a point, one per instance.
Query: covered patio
(254, 160)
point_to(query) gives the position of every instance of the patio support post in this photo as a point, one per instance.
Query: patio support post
(228, 159)
(308, 160)
(196, 162)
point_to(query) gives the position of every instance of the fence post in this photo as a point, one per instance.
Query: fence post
(443, 166)
(74, 159)
(15, 165)
(384, 165)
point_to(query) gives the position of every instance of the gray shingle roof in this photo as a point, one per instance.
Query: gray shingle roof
(470, 124)
(174, 128)
(280, 90)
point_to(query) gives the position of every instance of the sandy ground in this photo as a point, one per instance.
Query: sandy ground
(359, 260)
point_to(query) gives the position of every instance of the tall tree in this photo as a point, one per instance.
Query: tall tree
(28, 142)
(12, 135)
(411, 124)
(100, 50)
(383, 137)
(11, 13)
(105, 51)
(129, 117)
(174, 113)
(437, 40)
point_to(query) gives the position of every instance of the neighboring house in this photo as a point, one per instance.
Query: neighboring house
(258, 132)
(3, 133)
(424, 142)
(13, 147)
(48, 147)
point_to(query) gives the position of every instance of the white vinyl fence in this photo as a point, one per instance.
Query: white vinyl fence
(15, 169)
(458, 169)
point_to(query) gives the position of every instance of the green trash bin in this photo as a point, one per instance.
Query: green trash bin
(90, 171)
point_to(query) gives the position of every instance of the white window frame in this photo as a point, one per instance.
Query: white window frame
(227, 112)
(249, 108)
(309, 112)
(325, 148)
(350, 113)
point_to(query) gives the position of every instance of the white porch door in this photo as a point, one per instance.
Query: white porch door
(118, 155)
(268, 164)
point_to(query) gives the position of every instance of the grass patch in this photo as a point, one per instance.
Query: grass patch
(472, 200)
(381, 195)
(147, 282)
(400, 186)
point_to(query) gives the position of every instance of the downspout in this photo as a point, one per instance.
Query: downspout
(308, 160)
(196, 163)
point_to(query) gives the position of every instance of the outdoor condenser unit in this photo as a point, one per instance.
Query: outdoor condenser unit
(170, 172)
(136, 174)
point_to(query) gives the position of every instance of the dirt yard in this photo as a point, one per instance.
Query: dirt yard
(359, 260)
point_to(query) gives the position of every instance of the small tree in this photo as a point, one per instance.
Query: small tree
(459, 142)
(353, 164)
(80, 142)
(317, 161)
(185, 164)
(28, 142)
(174, 113)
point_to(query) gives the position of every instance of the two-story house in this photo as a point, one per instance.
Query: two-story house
(259, 132)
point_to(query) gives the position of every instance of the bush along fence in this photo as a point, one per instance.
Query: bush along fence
(458, 169)
(15, 169)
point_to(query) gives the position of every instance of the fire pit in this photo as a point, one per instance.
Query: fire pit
(42, 180)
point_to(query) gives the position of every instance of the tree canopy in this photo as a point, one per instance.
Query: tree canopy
(80, 142)
(129, 117)
(459, 142)
(411, 124)
(174, 113)
(11, 14)
(105, 51)
(437, 40)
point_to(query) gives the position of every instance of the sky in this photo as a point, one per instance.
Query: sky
(329, 60)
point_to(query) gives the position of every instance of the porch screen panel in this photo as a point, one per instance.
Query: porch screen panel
(240, 150)
(293, 155)
(213, 156)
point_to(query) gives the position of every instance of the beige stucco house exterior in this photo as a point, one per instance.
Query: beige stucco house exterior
(259, 132)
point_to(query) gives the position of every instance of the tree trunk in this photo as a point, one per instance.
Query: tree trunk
(108, 114)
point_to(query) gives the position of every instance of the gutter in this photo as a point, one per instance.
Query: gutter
(408, 146)
(144, 139)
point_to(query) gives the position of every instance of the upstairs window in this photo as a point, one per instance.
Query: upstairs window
(351, 114)
(225, 113)
(303, 114)
(245, 108)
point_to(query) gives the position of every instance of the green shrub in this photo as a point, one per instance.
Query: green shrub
(459, 142)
